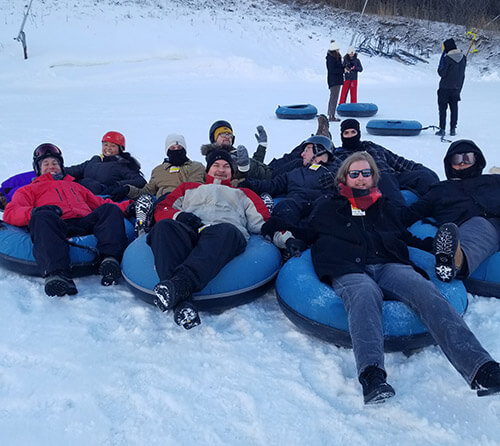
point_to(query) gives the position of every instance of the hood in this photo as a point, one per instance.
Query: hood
(207, 148)
(455, 55)
(463, 146)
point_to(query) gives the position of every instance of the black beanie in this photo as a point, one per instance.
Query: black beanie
(215, 155)
(349, 124)
(449, 45)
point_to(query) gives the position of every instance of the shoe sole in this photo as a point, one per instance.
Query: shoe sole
(164, 299)
(379, 396)
(110, 273)
(445, 247)
(488, 391)
(59, 288)
(187, 317)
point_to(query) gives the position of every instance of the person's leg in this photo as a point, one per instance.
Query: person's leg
(449, 330)
(354, 91)
(290, 210)
(442, 105)
(343, 94)
(453, 101)
(332, 104)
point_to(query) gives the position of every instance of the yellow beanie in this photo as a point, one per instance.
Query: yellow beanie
(220, 130)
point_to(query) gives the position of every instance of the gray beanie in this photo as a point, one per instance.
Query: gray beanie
(174, 138)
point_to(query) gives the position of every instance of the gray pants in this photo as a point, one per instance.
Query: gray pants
(479, 239)
(363, 293)
(332, 103)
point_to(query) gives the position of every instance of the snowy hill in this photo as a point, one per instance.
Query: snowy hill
(102, 367)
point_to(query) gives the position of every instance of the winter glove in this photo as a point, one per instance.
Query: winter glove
(190, 219)
(327, 180)
(130, 211)
(295, 247)
(242, 159)
(118, 193)
(261, 136)
(48, 207)
(274, 224)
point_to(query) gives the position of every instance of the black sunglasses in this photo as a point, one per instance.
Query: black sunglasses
(46, 148)
(355, 173)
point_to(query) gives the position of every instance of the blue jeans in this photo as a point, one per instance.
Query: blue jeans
(363, 293)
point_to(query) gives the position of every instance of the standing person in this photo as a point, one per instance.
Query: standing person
(451, 69)
(360, 248)
(352, 66)
(104, 174)
(335, 78)
(199, 229)
(55, 207)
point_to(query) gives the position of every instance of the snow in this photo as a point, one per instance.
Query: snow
(102, 367)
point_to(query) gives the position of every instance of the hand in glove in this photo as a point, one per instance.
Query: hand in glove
(118, 193)
(242, 159)
(261, 136)
(48, 207)
(327, 180)
(295, 247)
(190, 219)
(274, 224)
(130, 211)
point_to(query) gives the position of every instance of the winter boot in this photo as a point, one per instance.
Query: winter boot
(449, 255)
(186, 315)
(323, 127)
(375, 388)
(453, 132)
(110, 271)
(59, 284)
(487, 379)
(268, 201)
(333, 119)
(143, 214)
(170, 292)
(440, 132)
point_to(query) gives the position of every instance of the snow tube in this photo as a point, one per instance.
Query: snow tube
(315, 308)
(300, 111)
(357, 110)
(485, 280)
(16, 251)
(10, 185)
(393, 127)
(243, 279)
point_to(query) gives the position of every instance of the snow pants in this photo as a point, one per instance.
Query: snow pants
(448, 97)
(49, 234)
(349, 87)
(332, 103)
(199, 256)
(293, 211)
(363, 294)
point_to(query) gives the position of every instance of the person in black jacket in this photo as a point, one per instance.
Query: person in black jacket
(105, 174)
(335, 77)
(352, 66)
(451, 69)
(360, 248)
(466, 207)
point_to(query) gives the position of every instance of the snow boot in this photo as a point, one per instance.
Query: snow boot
(143, 214)
(375, 388)
(453, 132)
(268, 201)
(449, 255)
(170, 292)
(487, 379)
(59, 284)
(186, 315)
(110, 271)
(440, 132)
(323, 127)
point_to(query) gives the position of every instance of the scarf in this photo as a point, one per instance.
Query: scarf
(360, 198)
(177, 157)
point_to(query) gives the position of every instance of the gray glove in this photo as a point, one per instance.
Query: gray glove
(242, 159)
(261, 136)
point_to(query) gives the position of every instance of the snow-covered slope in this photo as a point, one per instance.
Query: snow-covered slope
(104, 368)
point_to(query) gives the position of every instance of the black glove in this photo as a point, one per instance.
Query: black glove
(189, 219)
(118, 193)
(261, 136)
(327, 180)
(130, 211)
(274, 224)
(47, 207)
(295, 247)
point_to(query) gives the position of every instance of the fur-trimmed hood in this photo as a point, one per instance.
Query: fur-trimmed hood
(207, 148)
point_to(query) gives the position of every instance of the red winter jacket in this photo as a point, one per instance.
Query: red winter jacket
(75, 200)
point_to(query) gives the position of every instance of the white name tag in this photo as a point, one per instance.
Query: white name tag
(314, 166)
(174, 169)
(357, 212)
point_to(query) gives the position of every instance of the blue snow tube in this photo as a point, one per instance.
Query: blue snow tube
(243, 279)
(300, 111)
(315, 308)
(485, 280)
(393, 127)
(357, 110)
(16, 251)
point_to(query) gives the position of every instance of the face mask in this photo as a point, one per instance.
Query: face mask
(351, 143)
(177, 157)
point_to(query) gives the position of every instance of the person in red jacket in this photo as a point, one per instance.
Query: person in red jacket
(54, 207)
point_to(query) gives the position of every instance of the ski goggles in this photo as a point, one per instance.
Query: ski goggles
(463, 158)
(355, 173)
(46, 149)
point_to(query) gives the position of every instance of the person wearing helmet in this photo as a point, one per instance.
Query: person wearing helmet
(104, 174)
(299, 189)
(54, 207)
(222, 137)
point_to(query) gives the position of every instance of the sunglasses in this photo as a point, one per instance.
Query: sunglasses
(465, 158)
(45, 149)
(365, 172)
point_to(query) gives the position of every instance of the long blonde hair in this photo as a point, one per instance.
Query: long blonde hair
(341, 176)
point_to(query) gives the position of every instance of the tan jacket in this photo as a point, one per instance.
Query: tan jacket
(165, 178)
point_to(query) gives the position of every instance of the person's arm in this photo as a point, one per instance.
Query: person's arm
(359, 67)
(77, 171)
(172, 204)
(18, 210)
(133, 178)
(399, 163)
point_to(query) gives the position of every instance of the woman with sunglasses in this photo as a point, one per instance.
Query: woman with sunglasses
(360, 248)
(466, 207)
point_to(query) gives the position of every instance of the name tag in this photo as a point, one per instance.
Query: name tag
(174, 169)
(356, 212)
(314, 166)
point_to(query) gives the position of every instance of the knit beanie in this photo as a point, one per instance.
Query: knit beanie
(174, 138)
(334, 46)
(449, 45)
(349, 124)
(216, 155)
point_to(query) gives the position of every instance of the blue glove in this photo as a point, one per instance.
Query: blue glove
(190, 219)
(261, 136)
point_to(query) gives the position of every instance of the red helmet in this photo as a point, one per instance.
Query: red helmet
(116, 138)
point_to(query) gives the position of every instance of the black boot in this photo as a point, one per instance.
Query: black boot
(375, 388)
(447, 252)
(453, 132)
(110, 271)
(172, 291)
(186, 315)
(487, 379)
(323, 126)
(59, 284)
(440, 132)
(144, 207)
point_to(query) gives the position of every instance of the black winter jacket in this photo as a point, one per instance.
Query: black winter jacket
(334, 69)
(452, 70)
(352, 66)
(98, 173)
(287, 162)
